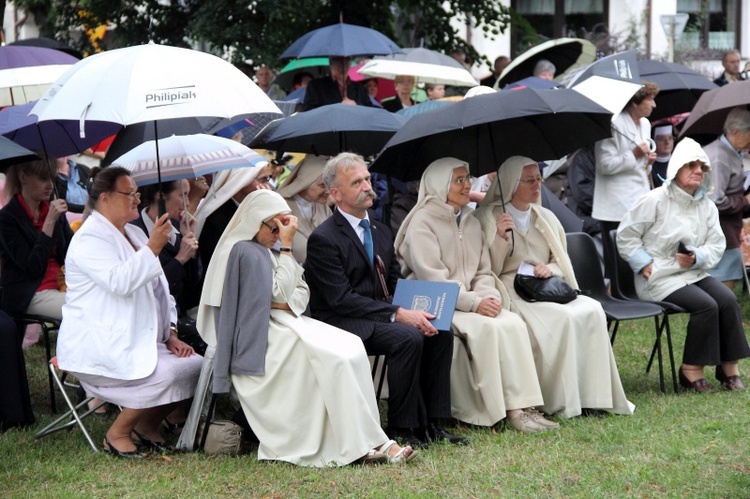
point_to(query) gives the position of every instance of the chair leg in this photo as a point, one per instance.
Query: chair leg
(48, 352)
(72, 412)
(614, 332)
(671, 354)
(381, 382)
(658, 328)
(209, 417)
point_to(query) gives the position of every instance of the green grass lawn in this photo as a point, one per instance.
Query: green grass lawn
(674, 446)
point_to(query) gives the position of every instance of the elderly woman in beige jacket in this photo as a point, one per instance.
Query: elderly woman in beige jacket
(492, 375)
(574, 360)
(306, 195)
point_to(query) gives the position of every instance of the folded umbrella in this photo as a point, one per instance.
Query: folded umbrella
(487, 129)
(329, 130)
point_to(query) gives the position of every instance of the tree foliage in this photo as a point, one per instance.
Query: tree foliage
(260, 30)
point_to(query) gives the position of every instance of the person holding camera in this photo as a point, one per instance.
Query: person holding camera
(731, 62)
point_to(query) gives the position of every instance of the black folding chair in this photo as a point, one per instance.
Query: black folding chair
(49, 325)
(622, 284)
(582, 252)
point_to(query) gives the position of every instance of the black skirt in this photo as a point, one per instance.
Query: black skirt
(15, 403)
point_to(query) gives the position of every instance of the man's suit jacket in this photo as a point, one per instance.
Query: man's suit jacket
(344, 289)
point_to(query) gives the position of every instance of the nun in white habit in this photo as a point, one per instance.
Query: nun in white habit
(493, 374)
(573, 356)
(304, 386)
(306, 195)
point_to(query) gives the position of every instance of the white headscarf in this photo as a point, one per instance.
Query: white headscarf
(436, 181)
(507, 179)
(307, 172)
(257, 207)
(225, 184)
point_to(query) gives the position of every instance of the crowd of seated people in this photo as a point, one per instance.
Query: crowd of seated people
(291, 339)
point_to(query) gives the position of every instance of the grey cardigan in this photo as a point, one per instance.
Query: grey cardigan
(242, 331)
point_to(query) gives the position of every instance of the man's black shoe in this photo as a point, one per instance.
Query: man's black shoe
(436, 434)
(406, 436)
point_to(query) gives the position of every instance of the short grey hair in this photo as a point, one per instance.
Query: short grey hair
(542, 66)
(737, 119)
(342, 161)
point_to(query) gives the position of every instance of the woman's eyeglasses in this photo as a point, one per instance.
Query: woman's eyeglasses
(131, 195)
(272, 228)
(531, 181)
(462, 180)
(697, 164)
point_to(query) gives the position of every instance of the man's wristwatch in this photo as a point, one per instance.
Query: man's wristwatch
(285, 249)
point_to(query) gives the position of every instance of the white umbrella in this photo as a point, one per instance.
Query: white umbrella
(23, 85)
(609, 93)
(425, 73)
(148, 83)
(186, 156)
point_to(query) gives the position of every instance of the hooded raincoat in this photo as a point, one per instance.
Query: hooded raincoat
(654, 227)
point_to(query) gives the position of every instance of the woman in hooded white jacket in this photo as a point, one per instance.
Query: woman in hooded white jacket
(670, 237)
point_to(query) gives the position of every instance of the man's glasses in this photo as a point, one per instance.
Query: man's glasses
(272, 228)
(531, 181)
(131, 195)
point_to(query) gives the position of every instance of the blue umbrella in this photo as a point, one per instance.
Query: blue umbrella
(297, 96)
(341, 40)
(329, 130)
(423, 107)
(532, 82)
(57, 139)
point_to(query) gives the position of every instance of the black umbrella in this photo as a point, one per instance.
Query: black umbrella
(564, 53)
(329, 130)
(11, 154)
(679, 87)
(487, 129)
(622, 66)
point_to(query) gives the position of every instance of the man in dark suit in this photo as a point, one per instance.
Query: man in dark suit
(731, 62)
(346, 293)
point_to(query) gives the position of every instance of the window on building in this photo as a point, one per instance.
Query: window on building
(713, 24)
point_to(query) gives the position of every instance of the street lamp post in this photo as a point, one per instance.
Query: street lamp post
(673, 25)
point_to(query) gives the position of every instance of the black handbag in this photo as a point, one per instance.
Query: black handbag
(552, 289)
